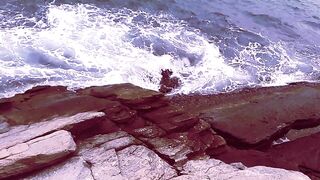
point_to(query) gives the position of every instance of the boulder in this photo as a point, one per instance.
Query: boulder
(35, 153)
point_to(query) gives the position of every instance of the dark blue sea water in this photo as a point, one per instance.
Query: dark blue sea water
(211, 45)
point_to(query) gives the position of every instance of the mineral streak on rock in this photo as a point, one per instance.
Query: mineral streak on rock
(127, 132)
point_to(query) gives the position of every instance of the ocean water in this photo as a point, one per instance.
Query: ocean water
(211, 45)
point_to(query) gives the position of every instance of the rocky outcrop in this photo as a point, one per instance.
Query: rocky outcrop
(127, 132)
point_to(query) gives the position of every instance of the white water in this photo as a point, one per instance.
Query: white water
(82, 45)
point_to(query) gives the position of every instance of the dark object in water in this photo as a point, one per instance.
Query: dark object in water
(168, 83)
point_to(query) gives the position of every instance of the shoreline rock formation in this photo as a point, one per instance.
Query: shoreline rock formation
(126, 132)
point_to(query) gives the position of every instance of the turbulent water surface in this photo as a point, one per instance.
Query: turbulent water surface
(211, 45)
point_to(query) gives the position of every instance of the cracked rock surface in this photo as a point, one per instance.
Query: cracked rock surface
(127, 132)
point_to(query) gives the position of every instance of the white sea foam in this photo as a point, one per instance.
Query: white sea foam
(82, 45)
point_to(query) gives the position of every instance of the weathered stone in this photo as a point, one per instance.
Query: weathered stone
(215, 169)
(73, 169)
(139, 162)
(23, 133)
(36, 153)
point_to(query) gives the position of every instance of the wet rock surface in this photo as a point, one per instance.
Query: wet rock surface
(127, 132)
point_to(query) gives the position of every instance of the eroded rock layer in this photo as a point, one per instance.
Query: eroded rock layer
(127, 132)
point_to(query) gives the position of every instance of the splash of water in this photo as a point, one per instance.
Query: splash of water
(82, 45)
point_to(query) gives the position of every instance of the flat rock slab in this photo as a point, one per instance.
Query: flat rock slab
(36, 153)
(255, 116)
(215, 169)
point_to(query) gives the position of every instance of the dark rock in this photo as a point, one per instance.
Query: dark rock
(258, 116)
(168, 83)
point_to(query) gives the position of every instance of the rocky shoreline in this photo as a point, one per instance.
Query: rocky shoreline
(127, 132)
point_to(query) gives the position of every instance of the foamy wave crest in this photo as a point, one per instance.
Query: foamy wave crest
(82, 45)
